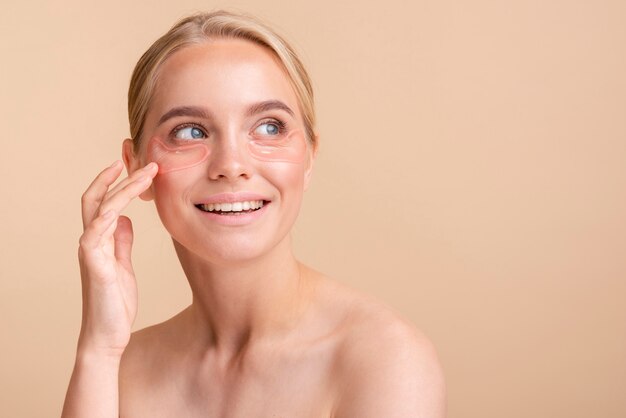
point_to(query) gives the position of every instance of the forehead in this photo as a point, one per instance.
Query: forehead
(223, 75)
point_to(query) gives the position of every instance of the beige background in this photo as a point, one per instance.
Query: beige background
(471, 176)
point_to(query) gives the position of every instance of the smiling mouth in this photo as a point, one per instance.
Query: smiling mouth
(233, 209)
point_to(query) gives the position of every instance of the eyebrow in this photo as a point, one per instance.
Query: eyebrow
(268, 105)
(201, 112)
(184, 111)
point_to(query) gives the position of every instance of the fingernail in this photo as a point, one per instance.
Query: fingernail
(115, 164)
(150, 166)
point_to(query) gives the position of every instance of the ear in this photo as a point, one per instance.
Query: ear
(312, 154)
(133, 163)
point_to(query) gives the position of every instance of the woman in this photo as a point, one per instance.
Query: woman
(223, 141)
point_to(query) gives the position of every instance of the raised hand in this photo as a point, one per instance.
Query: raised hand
(109, 287)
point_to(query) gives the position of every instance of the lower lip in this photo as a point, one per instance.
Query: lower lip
(234, 220)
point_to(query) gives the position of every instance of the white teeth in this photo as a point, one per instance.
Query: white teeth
(232, 207)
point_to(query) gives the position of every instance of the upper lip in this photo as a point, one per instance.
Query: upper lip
(232, 197)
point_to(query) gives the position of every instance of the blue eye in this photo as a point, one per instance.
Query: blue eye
(269, 128)
(189, 132)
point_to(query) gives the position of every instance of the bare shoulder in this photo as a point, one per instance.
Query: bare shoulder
(146, 351)
(385, 365)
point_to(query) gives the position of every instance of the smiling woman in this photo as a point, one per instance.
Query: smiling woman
(223, 141)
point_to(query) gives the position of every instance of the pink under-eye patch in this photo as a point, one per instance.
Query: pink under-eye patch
(173, 157)
(290, 148)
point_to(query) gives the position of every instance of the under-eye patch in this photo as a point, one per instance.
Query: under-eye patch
(174, 155)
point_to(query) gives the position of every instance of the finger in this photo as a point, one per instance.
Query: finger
(94, 194)
(124, 241)
(150, 169)
(98, 231)
(123, 197)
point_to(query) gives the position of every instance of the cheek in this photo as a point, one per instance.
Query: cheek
(169, 194)
(287, 178)
(164, 185)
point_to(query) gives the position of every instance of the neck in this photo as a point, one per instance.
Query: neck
(240, 303)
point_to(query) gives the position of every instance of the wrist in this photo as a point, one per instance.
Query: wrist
(88, 345)
(86, 351)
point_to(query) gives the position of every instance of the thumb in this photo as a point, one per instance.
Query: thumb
(124, 241)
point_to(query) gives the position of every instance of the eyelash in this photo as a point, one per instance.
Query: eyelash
(184, 126)
(282, 127)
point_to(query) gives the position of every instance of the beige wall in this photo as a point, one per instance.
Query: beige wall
(472, 175)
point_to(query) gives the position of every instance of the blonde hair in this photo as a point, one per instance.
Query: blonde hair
(199, 28)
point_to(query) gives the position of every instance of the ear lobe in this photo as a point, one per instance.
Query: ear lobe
(147, 195)
(133, 163)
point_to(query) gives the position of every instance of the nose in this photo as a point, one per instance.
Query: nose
(229, 158)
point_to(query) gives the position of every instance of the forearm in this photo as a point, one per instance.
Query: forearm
(93, 391)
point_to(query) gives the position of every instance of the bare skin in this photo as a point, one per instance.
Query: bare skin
(308, 372)
(265, 336)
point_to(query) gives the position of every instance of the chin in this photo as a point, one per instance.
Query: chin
(231, 250)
